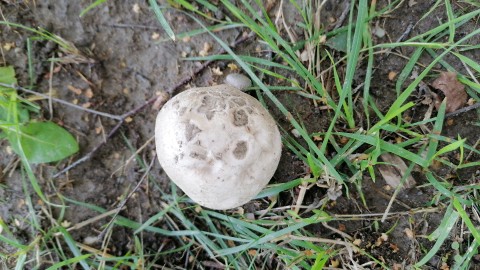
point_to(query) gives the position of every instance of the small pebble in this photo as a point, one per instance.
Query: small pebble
(296, 133)
(89, 240)
(238, 81)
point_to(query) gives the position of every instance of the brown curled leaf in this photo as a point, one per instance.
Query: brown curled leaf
(394, 170)
(453, 90)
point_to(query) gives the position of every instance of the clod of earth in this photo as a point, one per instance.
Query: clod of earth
(218, 144)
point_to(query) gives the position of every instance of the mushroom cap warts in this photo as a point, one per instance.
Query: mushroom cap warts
(218, 144)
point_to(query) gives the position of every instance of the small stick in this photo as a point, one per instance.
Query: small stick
(342, 17)
(134, 155)
(123, 25)
(345, 235)
(464, 109)
(124, 116)
(122, 204)
(405, 33)
(87, 222)
(89, 154)
(50, 90)
(19, 88)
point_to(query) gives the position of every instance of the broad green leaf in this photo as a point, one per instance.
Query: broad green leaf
(7, 75)
(338, 42)
(440, 235)
(8, 98)
(43, 142)
(7, 112)
(465, 217)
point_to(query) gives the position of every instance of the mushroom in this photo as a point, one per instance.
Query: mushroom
(218, 144)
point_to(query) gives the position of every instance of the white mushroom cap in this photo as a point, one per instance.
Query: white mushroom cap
(218, 144)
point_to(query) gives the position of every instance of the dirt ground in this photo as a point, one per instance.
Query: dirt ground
(126, 59)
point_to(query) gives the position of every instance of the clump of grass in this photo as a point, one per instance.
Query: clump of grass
(359, 43)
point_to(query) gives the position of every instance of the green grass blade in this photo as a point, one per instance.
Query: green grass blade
(268, 237)
(73, 248)
(392, 148)
(161, 19)
(449, 148)
(463, 263)
(246, 58)
(276, 189)
(91, 6)
(331, 170)
(407, 70)
(21, 262)
(451, 18)
(352, 61)
(151, 220)
(463, 214)
(437, 129)
(439, 186)
(471, 63)
(69, 262)
(13, 243)
(458, 21)
(441, 234)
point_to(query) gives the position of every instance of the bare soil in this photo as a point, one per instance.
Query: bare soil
(126, 59)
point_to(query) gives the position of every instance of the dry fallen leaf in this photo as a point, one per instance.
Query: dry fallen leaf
(308, 252)
(206, 49)
(322, 39)
(8, 45)
(453, 90)
(334, 263)
(394, 173)
(89, 93)
(394, 247)
(155, 36)
(66, 224)
(217, 71)
(444, 266)
(232, 67)
(304, 56)
(397, 266)
(381, 239)
(74, 89)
